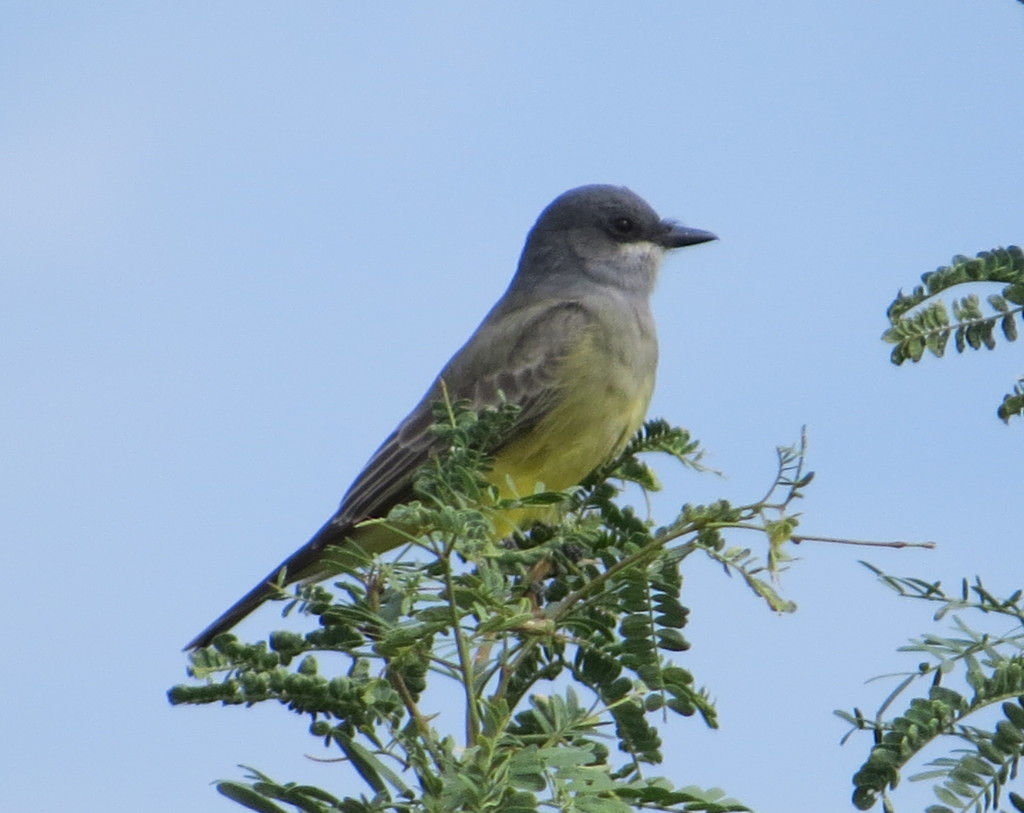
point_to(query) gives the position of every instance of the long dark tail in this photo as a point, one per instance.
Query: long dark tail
(300, 566)
(239, 610)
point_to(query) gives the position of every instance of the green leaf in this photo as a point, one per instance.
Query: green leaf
(947, 796)
(1009, 327)
(670, 613)
(1008, 738)
(565, 756)
(998, 303)
(367, 766)
(247, 797)
(672, 640)
(600, 804)
(1014, 293)
(1014, 713)
(973, 335)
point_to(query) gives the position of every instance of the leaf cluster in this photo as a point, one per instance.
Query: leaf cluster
(982, 758)
(520, 631)
(919, 321)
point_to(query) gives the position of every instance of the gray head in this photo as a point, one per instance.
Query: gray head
(605, 234)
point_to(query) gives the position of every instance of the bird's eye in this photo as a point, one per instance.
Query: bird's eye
(623, 225)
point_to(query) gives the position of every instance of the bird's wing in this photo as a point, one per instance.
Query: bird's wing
(516, 356)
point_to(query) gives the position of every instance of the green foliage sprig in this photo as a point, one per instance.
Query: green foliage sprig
(920, 322)
(589, 604)
(987, 669)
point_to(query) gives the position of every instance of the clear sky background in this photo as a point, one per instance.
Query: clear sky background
(237, 241)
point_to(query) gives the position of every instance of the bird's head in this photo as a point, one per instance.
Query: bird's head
(604, 234)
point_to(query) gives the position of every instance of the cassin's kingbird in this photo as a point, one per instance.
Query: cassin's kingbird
(571, 342)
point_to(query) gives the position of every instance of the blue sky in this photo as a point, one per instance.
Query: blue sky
(239, 239)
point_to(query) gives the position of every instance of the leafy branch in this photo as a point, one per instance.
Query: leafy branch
(594, 597)
(919, 321)
(982, 759)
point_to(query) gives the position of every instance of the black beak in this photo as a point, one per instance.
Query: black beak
(676, 236)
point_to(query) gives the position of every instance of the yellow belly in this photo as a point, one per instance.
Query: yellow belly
(602, 406)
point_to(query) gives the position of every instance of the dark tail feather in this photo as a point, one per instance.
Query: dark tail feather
(239, 610)
(300, 566)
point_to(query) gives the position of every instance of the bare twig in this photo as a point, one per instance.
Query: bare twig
(796, 539)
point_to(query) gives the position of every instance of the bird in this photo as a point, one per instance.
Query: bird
(571, 342)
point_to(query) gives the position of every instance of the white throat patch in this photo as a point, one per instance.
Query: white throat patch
(641, 251)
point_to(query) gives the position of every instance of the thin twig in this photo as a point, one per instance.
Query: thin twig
(466, 664)
(422, 726)
(796, 539)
